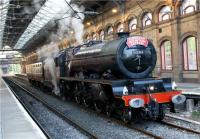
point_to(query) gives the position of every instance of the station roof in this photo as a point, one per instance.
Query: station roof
(24, 24)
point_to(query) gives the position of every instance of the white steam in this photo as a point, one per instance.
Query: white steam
(69, 27)
(49, 52)
(71, 23)
(37, 4)
(49, 65)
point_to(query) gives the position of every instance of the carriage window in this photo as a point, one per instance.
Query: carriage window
(188, 6)
(190, 53)
(133, 24)
(120, 27)
(166, 55)
(164, 13)
(147, 19)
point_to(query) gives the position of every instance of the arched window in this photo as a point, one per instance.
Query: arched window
(188, 6)
(88, 38)
(120, 27)
(147, 19)
(190, 53)
(164, 13)
(133, 24)
(110, 30)
(166, 55)
(94, 36)
(101, 35)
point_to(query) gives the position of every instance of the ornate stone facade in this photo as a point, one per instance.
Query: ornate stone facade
(158, 20)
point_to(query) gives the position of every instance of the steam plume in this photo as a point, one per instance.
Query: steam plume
(66, 26)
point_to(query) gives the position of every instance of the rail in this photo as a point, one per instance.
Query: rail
(58, 113)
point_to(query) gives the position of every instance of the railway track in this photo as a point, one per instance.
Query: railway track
(182, 119)
(58, 113)
(148, 133)
(180, 127)
(104, 116)
(187, 121)
(30, 113)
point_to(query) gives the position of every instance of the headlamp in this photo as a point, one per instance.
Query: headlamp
(151, 88)
(136, 102)
(178, 99)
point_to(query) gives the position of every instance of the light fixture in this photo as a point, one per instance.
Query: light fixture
(88, 23)
(72, 32)
(114, 10)
(151, 88)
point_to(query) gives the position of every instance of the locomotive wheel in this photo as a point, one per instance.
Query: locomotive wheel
(161, 113)
(109, 111)
(78, 99)
(98, 107)
(62, 88)
(85, 103)
(63, 98)
(127, 116)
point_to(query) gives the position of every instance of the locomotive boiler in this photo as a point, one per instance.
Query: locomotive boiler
(115, 77)
(125, 57)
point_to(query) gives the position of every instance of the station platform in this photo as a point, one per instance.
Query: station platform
(15, 122)
(189, 88)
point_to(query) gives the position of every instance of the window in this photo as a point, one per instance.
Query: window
(188, 6)
(94, 36)
(120, 27)
(166, 55)
(101, 35)
(110, 30)
(190, 53)
(133, 24)
(87, 38)
(147, 19)
(164, 13)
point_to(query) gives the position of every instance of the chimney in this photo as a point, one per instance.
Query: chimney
(123, 34)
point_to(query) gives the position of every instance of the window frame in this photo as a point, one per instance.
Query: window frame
(111, 31)
(190, 6)
(161, 56)
(183, 52)
(160, 15)
(87, 38)
(186, 5)
(94, 36)
(120, 27)
(144, 22)
(131, 26)
(101, 34)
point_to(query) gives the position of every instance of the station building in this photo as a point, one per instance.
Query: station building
(172, 26)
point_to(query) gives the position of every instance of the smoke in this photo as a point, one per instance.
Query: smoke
(70, 22)
(69, 27)
(48, 50)
(49, 65)
(77, 24)
(48, 53)
(37, 4)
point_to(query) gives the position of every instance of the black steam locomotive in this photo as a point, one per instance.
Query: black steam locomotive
(114, 77)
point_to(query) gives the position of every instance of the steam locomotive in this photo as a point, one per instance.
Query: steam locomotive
(114, 77)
